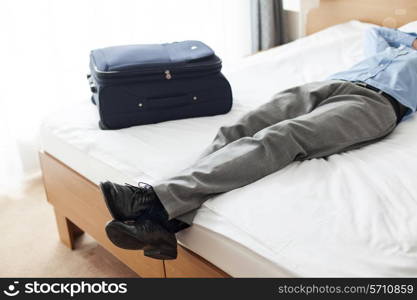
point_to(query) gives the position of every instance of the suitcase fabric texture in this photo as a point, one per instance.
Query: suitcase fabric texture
(144, 84)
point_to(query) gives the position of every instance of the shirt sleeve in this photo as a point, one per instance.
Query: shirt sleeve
(377, 39)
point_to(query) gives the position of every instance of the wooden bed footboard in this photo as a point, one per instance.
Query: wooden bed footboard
(79, 208)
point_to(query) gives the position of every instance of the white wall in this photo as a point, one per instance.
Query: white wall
(45, 44)
(295, 15)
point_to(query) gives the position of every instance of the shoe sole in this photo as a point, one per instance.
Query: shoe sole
(119, 237)
(107, 201)
(122, 239)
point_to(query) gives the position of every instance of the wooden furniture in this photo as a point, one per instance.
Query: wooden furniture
(389, 13)
(77, 201)
(79, 208)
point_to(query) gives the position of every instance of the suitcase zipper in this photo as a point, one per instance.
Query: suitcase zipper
(167, 73)
(114, 77)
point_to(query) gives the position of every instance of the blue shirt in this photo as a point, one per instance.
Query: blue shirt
(390, 65)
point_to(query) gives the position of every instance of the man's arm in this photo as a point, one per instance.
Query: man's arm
(377, 39)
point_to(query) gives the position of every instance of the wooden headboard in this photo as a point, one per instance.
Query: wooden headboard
(389, 13)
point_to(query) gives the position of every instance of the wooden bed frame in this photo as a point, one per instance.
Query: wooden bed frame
(78, 203)
(79, 208)
(388, 13)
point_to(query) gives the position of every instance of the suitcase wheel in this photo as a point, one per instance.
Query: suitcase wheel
(102, 126)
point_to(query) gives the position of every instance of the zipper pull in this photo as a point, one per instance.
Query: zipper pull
(168, 75)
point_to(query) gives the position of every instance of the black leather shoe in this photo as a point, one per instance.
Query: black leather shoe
(175, 225)
(127, 202)
(143, 234)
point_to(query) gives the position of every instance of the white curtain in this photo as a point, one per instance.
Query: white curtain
(44, 48)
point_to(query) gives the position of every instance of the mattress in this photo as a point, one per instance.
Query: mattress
(352, 214)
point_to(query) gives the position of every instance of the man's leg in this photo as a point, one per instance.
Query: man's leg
(284, 105)
(350, 118)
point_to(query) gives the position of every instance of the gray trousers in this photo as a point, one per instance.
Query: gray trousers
(305, 122)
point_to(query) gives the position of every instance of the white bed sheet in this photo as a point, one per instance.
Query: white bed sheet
(353, 214)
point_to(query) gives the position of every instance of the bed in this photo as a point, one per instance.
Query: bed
(352, 214)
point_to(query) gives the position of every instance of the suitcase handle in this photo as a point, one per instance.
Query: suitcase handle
(172, 101)
(93, 87)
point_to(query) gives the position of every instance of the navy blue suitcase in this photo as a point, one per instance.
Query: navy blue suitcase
(144, 84)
